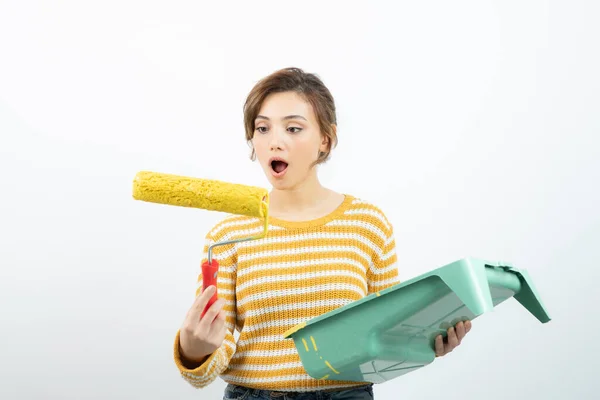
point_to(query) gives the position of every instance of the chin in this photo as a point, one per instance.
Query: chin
(280, 184)
(285, 183)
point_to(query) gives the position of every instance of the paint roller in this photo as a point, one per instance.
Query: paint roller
(207, 194)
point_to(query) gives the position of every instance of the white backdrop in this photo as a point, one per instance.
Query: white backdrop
(474, 125)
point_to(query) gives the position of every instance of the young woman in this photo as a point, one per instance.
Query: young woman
(324, 249)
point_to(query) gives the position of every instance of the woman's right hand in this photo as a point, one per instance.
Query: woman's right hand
(199, 335)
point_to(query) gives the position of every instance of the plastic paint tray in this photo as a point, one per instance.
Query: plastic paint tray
(391, 333)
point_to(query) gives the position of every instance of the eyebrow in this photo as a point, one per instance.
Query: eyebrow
(284, 118)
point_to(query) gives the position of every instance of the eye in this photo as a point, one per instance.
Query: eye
(260, 129)
(293, 127)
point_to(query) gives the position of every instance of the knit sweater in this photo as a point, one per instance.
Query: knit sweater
(299, 271)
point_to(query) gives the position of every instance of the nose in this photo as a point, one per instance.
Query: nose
(277, 138)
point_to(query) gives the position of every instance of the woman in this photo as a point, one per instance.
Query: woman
(324, 249)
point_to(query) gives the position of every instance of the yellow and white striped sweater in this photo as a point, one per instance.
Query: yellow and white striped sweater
(299, 271)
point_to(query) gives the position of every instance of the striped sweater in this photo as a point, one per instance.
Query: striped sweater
(299, 271)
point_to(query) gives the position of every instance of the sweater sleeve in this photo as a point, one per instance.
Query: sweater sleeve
(218, 361)
(383, 271)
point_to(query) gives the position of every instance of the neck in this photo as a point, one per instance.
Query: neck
(307, 194)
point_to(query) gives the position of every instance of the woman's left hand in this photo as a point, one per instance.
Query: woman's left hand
(453, 340)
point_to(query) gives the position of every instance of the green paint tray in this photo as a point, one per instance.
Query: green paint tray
(391, 333)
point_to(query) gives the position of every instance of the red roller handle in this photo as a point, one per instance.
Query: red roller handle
(209, 278)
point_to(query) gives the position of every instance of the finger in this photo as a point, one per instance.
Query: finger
(212, 312)
(460, 331)
(439, 345)
(452, 339)
(221, 316)
(467, 326)
(200, 303)
(203, 298)
(218, 324)
(223, 331)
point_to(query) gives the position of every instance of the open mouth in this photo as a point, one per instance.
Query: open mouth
(278, 165)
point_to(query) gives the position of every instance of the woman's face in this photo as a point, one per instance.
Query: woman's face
(287, 139)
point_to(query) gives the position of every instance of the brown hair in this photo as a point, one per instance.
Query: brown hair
(308, 86)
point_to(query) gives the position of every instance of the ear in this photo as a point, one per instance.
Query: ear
(325, 141)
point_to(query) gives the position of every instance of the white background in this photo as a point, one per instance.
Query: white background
(473, 125)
